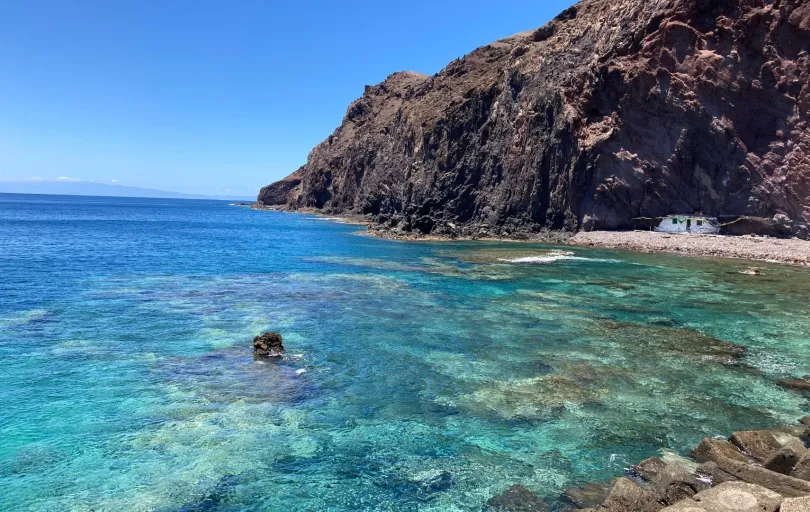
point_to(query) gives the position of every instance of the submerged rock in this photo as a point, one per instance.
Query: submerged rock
(268, 345)
(797, 384)
(516, 499)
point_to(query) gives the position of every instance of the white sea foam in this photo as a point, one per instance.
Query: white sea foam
(555, 256)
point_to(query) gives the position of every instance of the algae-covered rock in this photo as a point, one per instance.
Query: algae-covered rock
(516, 499)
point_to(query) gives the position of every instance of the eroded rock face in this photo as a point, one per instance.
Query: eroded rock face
(268, 345)
(616, 110)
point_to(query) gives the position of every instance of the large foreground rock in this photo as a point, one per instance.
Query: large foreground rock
(796, 505)
(731, 497)
(615, 113)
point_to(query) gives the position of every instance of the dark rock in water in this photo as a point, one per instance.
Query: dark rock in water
(628, 495)
(631, 109)
(588, 495)
(798, 384)
(268, 345)
(759, 444)
(435, 483)
(516, 499)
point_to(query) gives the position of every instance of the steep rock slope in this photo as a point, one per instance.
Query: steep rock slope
(614, 111)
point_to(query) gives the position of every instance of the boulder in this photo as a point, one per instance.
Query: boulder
(671, 483)
(795, 504)
(516, 499)
(731, 497)
(627, 495)
(711, 474)
(759, 444)
(588, 495)
(802, 468)
(805, 421)
(268, 345)
(783, 484)
(786, 457)
(713, 449)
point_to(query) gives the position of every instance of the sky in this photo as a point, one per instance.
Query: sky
(211, 97)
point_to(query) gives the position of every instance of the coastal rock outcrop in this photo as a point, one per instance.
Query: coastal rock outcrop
(616, 110)
(268, 345)
(730, 479)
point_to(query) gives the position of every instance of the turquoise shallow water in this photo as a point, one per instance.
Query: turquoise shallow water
(419, 376)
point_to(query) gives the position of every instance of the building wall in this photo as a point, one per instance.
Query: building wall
(667, 226)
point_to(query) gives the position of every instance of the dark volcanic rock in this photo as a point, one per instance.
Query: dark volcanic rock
(268, 345)
(615, 110)
(516, 499)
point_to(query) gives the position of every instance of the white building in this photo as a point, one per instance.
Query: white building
(694, 224)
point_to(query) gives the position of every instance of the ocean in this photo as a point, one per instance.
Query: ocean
(418, 375)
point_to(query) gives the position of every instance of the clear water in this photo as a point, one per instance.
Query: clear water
(419, 376)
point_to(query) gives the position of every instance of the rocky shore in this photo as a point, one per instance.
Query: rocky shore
(791, 251)
(751, 471)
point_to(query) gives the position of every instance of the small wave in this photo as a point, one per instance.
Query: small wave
(557, 256)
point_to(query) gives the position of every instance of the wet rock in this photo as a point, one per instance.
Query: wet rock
(759, 444)
(714, 449)
(797, 384)
(516, 499)
(268, 345)
(711, 474)
(731, 497)
(588, 495)
(796, 504)
(671, 482)
(627, 495)
(805, 421)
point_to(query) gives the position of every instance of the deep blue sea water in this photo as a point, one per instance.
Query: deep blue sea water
(418, 376)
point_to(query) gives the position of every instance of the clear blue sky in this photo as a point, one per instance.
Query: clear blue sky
(203, 96)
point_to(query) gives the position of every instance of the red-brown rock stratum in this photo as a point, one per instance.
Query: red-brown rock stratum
(614, 111)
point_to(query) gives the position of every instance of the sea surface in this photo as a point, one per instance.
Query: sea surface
(418, 376)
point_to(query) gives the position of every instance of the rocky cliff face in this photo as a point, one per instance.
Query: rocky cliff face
(614, 111)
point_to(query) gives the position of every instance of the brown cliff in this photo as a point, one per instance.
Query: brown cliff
(616, 110)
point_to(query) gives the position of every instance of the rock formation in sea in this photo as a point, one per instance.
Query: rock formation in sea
(752, 471)
(616, 110)
(268, 345)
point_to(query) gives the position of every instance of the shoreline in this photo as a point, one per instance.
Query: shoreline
(784, 251)
(754, 470)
